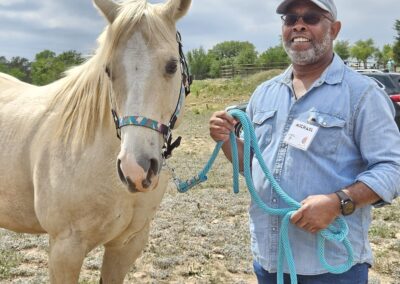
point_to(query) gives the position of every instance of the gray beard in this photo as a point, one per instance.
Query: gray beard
(311, 55)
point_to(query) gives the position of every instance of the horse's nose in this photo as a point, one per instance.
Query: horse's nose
(138, 174)
(151, 168)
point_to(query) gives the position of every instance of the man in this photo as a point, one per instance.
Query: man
(328, 136)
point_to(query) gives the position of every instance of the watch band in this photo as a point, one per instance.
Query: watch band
(347, 204)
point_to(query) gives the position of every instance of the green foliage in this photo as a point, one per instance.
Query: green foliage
(70, 58)
(274, 56)
(230, 49)
(396, 52)
(48, 67)
(342, 48)
(396, 46)
(248, 55)
(18, 67)
(199, 63)
(3, 68)
(362, 50)
(230, 53)
(397, 28)
(382, 57)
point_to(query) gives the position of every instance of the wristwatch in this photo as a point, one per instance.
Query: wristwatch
(347, 204)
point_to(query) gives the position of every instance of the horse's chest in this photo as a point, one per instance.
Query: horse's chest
(142, 213)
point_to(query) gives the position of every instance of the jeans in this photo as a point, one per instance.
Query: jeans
(358, 274)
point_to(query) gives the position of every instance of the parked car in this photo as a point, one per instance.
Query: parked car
(396, 78)
(392, 86)
(369, 70)
(391, 81)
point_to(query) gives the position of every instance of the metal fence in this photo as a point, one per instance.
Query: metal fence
(230, 71)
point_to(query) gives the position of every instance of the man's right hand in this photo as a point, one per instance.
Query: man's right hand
(221, 124)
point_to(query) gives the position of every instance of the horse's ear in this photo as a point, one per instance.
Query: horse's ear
(108, 8)
(176, 9)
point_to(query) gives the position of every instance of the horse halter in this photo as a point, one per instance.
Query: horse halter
(165, 130)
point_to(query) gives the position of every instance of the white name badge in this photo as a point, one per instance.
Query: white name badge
(301, 135)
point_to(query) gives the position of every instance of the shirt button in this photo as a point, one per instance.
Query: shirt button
(273, 229)
(274, 200)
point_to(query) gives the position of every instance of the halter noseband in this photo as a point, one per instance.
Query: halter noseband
(143, 121)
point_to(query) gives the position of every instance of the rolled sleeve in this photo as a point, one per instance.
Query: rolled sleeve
(378, 138)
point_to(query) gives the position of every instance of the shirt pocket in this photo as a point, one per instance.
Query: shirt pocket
(330, 132)
(263, 122)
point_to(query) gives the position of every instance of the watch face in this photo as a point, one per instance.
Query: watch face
(348, 208)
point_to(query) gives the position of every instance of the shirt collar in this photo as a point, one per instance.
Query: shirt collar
(332, 75)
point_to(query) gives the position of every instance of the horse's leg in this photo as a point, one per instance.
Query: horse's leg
(66, 259)
(118, 260)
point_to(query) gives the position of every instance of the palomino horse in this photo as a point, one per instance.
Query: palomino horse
(61, 164)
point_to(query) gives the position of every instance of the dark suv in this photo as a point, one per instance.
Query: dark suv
(391, 82)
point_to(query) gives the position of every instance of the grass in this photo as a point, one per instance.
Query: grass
(201, 236)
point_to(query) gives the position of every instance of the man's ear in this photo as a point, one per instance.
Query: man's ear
(335, 29)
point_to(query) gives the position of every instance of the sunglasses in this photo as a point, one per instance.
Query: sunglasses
(308, 18)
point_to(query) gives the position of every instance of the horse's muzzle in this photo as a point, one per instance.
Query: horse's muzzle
(142, 179)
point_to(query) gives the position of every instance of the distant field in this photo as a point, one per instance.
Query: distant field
(200, 236)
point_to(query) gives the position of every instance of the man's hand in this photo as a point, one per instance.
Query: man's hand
(221, 124)
(316, 212)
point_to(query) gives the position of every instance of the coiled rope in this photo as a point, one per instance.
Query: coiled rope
(337, 231)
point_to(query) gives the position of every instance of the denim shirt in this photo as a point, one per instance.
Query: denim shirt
(357, 140)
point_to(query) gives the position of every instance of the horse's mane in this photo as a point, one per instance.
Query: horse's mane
(83, 94)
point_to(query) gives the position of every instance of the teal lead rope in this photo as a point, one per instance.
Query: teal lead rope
(337, 231)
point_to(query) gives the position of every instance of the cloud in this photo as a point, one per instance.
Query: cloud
(28, 27)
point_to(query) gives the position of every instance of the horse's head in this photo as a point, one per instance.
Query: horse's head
(144, 66)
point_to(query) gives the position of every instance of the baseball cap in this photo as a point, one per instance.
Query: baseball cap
(327, 5)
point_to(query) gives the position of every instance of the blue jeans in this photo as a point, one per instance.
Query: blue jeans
(358, 274)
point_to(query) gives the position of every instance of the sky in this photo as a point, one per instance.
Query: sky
(28, 27)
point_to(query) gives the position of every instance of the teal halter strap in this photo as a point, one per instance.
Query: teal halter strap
(337, 231)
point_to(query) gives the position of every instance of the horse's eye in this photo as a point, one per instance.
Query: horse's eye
(171, 67)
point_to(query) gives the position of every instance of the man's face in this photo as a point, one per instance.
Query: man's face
(307, 43)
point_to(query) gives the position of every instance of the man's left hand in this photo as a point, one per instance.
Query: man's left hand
(316, 212)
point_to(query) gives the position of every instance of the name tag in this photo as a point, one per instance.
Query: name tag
(301, 135)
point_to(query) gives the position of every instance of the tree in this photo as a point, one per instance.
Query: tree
(396, 46)
(17, 67)
(397, 29)
(230, 53)
(48, 67)
(70, 58)
(342, 48)
(275, 57)
(20, 68)
(248, 55)
(199, 63)
(382, 57)
(230, 49)
(3, 64)
(362, 50)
